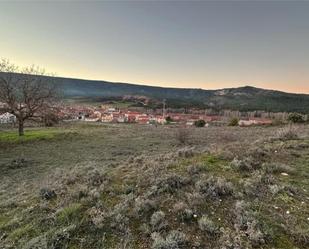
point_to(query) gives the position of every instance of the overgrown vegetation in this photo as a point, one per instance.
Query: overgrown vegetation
(109, 186)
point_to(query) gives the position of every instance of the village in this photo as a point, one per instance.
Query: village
(111, 114)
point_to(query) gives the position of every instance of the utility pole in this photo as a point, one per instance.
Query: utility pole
(164, 108)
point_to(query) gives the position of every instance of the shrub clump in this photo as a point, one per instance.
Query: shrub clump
(183, 212)
(61, 238)
(207, 225)
(214, 187)
(246, 224)
(158, 221)
(170, 183)
(257, 184)
(296, 118)
(97, 217)
(186, 152)
(287, 133)
(182, 135)
(70, 214)
(144, 206)
(247, 164)
(174, 240)
(194, 169)
(200, 123)
(277, 168)
(233, 122)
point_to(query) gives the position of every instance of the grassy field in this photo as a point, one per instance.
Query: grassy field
(90, 186)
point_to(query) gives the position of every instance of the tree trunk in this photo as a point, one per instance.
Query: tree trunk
(20, 127)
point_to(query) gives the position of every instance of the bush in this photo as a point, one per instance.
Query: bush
(257, 185)
(276, 168)
(186, 152)
(61, 238)
(39, 242)
(182, 135)
(170, 183)
(207, 225)
(174, 240)
(50, 119)
(97, 217)
(120, 223)
(70, 214)
(287, 133)
(158, 221)
(246, 222)
(168, 119)
(200, 123)
(183, 212)
(234, 122)
(195, 169)
(247, 164)
(296, 118)
(144, 206)
(214, 187)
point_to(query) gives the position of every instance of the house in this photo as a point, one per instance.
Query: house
(245, 122)
(131, 117)
(143, 119)
(7, 118)
(91, 119)
(160, 120)
(118, 117)
(190, 122)
(111, 109)
(255, 121)
(107, 118)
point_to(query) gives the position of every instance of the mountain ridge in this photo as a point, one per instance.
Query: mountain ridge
(245, 98)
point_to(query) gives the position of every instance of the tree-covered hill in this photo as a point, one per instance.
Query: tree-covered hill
(243, 98)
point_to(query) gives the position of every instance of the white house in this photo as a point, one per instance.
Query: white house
(7, 118)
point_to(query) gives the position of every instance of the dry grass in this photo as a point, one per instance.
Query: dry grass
(130, 186)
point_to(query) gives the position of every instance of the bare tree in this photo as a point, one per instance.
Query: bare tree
(27, 93)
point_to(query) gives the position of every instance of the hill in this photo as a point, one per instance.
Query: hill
(245, 98)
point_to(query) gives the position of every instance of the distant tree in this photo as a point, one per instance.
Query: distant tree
(200, 123)
(27, 93)
(168, 119)
(50, 117)
(296, 118)
(234, 122)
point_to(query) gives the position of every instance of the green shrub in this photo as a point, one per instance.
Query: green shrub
(296, 118)
(173, 240)
(72, 213)
(168, 119)
(158, 221)
(207, 225)
(200, 123)
(214, 187)
(234, 122)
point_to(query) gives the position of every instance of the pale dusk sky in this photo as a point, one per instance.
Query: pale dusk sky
(191, 44)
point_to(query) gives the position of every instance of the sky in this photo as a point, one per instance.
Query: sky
(189, 44)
